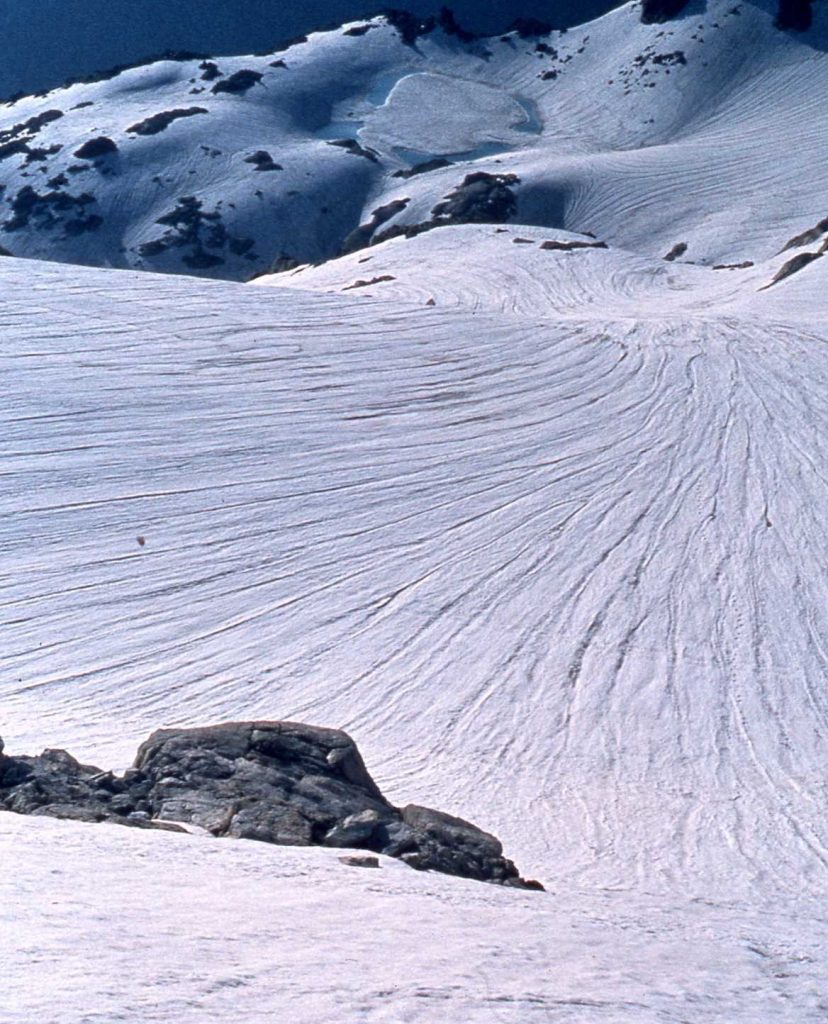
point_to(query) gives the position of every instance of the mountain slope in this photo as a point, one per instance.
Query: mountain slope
(527, 495)
(647, 136)
(47, 42)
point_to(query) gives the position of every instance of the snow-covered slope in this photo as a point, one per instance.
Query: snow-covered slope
(578, 558)
(648, 136)
(102, 924)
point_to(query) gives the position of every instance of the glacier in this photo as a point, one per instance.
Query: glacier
(533, 512)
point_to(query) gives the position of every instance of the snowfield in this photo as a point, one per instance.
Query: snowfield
(155, 927)
(534, 513)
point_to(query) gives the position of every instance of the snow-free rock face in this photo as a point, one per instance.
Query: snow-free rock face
(277, 782)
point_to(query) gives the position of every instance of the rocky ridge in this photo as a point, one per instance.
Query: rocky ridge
(277, 782)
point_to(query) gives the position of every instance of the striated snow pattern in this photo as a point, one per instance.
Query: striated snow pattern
(533, 512)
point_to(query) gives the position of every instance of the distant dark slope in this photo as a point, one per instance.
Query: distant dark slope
(43, 43)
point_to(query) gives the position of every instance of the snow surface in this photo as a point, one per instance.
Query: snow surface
(112, 925)
(543, 529)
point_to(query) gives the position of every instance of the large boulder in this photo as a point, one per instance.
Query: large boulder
(277, 782)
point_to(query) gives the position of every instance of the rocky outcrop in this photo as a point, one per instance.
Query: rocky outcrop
(277, 782)
(97, 149)
(793, 266)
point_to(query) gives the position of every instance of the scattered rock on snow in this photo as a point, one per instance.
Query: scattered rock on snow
(95, 149)
(679, 249)
(361, 236)
(159, 122)
(366, 284)
(555, 246)
(238, 83)
(263, 161)
(423, 168)
(352, 146)
(793, 266)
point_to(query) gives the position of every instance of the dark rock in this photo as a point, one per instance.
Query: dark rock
(52, 210)
(679, 249)
(239, 82)
(794, 15)
(39, 154)
(357, 30)
(191, 227)
(423, 168)
(657, 11)
(367, 283)
(811, 235)
(276, 782)
(449, 24)
(353, 147)
(357, 861)
(361, 236)
(209, 71)
(263, 161)
(9, 149)
(555, 246)
(483, 198)
(158, 122)
(793, 266)
(95, 149)
(29, 128)
(357, 829)
(409, 26)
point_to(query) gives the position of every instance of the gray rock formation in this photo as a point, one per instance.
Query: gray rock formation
(277, 782)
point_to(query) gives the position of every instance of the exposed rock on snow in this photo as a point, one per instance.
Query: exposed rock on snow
(239, 82)
(96, 148)
(277, 782)
(263, 161)
(793, 266)
(679, 249)
(158, 122)
(806, 237)
(556, 246)
(482, 198)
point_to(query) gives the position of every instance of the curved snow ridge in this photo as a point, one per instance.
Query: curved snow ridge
(532, 272)
(576, 563)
